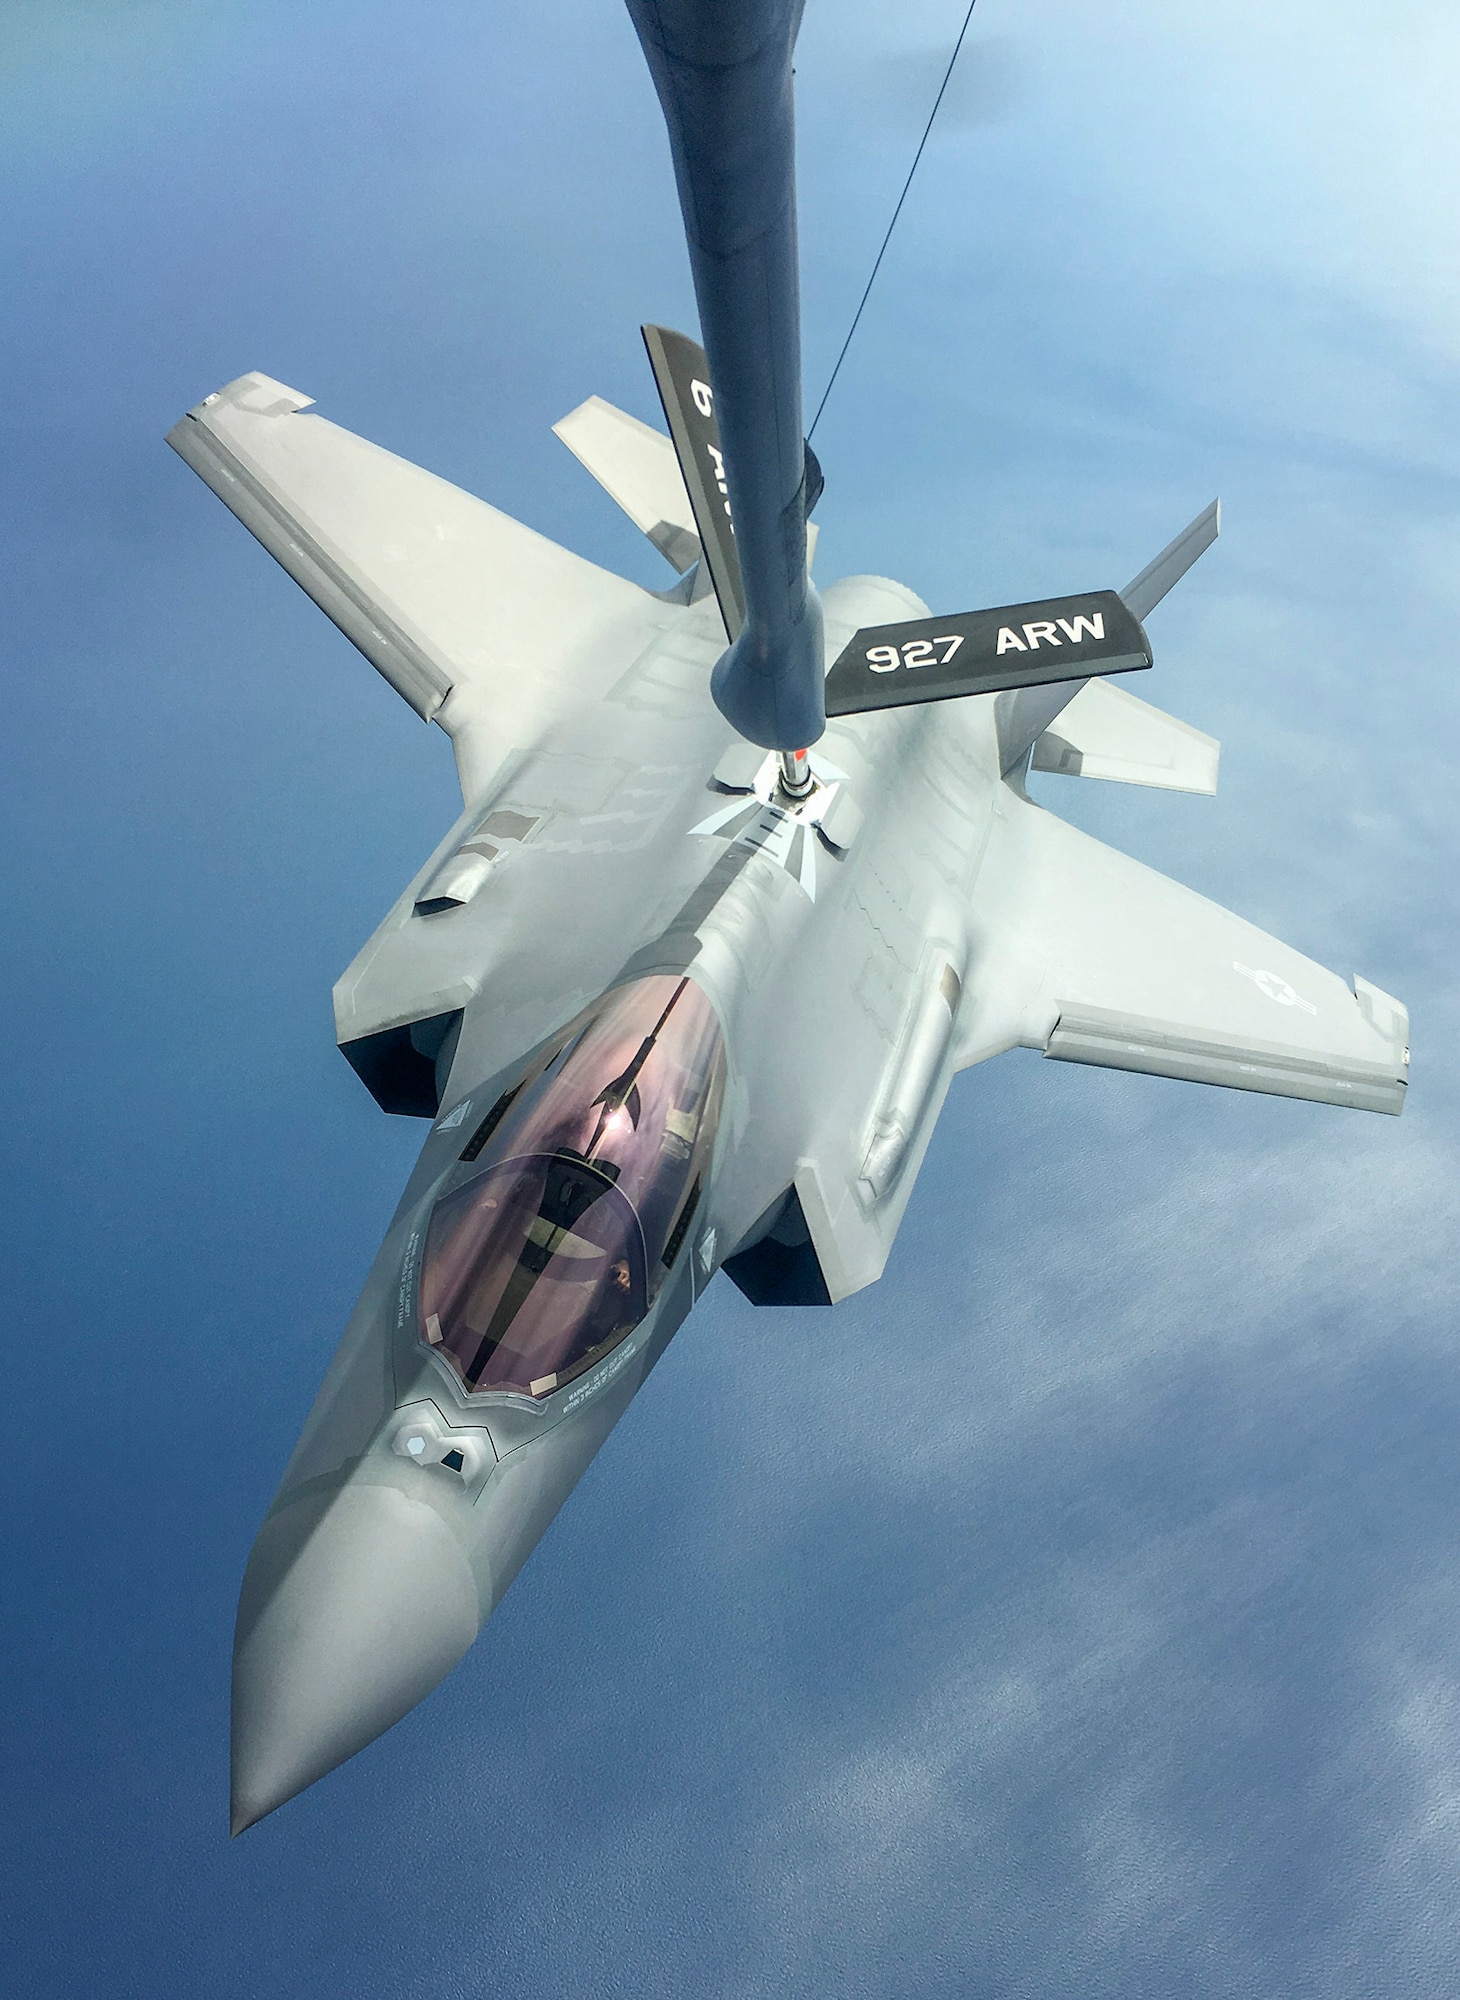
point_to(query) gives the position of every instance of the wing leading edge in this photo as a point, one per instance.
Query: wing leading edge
(1116, 965)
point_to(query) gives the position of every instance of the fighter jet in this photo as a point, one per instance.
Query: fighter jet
(745, 872)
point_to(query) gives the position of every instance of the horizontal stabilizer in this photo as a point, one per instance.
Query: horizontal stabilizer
(636, 466)
(682, 376)
(981, 652)
(1144, 593)
(1106, 732)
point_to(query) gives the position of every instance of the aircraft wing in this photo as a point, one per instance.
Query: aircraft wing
(480, 624)
(1108, 962)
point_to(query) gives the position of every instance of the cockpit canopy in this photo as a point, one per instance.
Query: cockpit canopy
(575, 1194)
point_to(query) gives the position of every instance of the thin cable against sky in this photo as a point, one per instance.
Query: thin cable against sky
(856, 317)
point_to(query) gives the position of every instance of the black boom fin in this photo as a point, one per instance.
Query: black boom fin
(682, 377)
(981, 652)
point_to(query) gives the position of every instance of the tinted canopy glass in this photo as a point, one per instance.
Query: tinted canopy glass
(576, 1193)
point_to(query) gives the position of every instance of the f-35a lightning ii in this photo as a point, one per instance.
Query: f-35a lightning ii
(684, 987)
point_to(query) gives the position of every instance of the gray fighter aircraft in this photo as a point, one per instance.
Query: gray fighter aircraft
(684, 987)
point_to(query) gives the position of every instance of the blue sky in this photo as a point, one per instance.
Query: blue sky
(1073, 1613)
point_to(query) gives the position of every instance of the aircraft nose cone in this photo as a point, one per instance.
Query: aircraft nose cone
(353, 1607)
